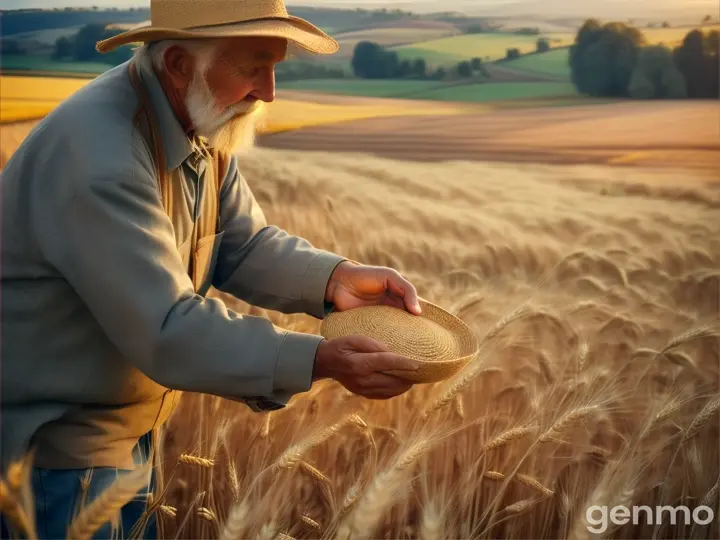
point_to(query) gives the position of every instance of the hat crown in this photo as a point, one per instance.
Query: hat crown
(185, 14)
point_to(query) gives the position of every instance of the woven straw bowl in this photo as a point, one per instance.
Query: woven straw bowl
(442, 343)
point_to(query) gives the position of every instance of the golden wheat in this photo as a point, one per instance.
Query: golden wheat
(107, 505)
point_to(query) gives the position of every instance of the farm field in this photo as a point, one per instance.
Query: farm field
(388, 37)
(549, 63)
(493, 46)
(594, 291)
(489, 47)
(498, 91)
(46, 63)
(560, 131)
(361, 87)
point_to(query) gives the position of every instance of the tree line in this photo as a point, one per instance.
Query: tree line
(615, 60)
(372, 61)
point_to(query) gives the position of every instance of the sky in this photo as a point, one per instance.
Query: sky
(646, 9)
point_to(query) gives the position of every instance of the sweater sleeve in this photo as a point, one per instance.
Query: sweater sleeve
(264, 265)
(112, 241)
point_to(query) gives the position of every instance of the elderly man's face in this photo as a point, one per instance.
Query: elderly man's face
(244, 70)
(223, 104)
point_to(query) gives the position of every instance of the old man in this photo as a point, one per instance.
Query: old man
(120, 210)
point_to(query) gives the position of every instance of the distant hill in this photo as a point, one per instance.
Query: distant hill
(21, 21)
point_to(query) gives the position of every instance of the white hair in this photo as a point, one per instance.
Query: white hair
(153, 53)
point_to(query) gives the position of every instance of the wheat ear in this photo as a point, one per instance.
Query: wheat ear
(196, 460)
(235, 523)
(703, 418)
(457, 385)
(364, 518)
(109, 503)
(432, 524)
(507, 436)
(310, 522)
(564, 421)
(16, 515)
(321, 480)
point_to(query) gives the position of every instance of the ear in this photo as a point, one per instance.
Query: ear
(179, 66)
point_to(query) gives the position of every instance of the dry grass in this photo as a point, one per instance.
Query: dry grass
(597, 382)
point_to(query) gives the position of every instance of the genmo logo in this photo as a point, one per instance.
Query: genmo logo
(599, 518)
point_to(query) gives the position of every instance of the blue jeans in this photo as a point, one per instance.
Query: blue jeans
(58, 494)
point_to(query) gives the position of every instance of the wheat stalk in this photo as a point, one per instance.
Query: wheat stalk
(235, 523)
(432, 524)
(460, 406)
(196, 460)
(703, 417)
(456, 385)
(267, 532)
(566, 420)
(106, 506)
(265, 431)
(369, 509)
(321, 480)
(294, 452)
(16, 515)
(234, 482)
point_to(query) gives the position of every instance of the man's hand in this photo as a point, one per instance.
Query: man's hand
(353, 285)
(358, 362)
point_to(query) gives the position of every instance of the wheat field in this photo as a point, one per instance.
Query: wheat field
(595, 294)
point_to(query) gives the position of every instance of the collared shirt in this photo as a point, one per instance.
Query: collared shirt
(99, 316)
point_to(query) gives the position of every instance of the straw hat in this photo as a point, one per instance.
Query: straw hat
(192, 19)
(441, 342)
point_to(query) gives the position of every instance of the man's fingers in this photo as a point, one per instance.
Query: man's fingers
(364, 344)
(387, 361)
(379, 384)
(405, 290)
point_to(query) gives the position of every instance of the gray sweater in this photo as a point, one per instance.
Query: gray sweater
(101, 326)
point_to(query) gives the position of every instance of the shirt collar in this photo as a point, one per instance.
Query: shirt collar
(176, 143)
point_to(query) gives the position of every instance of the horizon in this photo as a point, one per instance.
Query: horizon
(642, 9)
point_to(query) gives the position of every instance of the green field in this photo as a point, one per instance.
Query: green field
(448, 51)
(359, 87)
(499, 92)
(550, 63)
(45, 63)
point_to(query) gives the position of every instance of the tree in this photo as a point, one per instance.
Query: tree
(404, 69)
(512, 54)
(707, 19)
(666, 24)
(419, 68)
(64, 47)
(698, 61)
(543, 45)
(464, 70)
(371, 61)
(86, 39)
(656, 75)
(476, 63)
(603, 58)
(439, 74)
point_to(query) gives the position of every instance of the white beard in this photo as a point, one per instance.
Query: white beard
(231, 130)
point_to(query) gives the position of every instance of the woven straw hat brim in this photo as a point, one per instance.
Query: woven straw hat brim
(441, 342)
(294, 29)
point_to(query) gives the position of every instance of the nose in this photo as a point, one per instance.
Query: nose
(265, 86)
